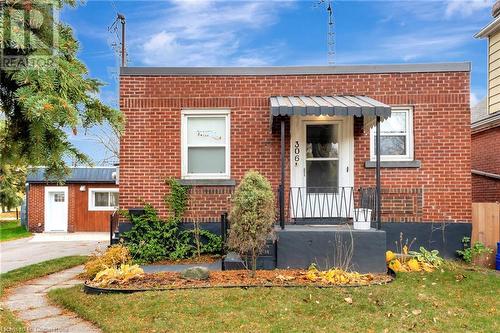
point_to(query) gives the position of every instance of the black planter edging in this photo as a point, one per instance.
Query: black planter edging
(97, 290)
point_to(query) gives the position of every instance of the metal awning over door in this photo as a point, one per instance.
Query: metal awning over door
(340, 105)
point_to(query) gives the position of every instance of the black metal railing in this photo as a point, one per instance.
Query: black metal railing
(331, 203)
(321, 202)
(113, 225)
(224, 229)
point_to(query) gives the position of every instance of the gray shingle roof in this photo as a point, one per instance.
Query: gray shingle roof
(479, 111)
(77, 175)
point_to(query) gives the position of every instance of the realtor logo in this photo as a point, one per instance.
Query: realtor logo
(29, 34)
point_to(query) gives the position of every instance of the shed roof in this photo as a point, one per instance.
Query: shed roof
(77, 175)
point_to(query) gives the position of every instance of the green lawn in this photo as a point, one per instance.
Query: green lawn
(8, 323)
(455, 300)
(10, 230)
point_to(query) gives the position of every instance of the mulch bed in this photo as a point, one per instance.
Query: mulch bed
(226, 279)
(203, 259)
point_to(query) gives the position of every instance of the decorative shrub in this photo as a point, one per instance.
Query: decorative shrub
(114, 256)
(471, 253)
(431, 257)
(252, 216)
(120, 275)
(337, 276)
(151, 238)
(178, 198)
(413, 261)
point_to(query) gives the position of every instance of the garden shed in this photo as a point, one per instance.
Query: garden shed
(83, 201)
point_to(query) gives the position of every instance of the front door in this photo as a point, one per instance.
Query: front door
(56, 208)
(321, 174)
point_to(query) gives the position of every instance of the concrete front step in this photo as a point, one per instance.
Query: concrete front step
(299, 246)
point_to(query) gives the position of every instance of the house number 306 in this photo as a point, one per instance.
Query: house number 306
(296, 151)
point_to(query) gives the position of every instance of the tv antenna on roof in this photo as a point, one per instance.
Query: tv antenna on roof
(120, 18)
(330, 34)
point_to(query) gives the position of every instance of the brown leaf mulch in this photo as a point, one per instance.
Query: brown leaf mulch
(263, 278)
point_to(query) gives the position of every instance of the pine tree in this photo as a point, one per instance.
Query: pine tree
(41, 103)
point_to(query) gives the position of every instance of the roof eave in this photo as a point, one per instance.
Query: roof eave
(297, 70)
(489, 29)
(71, 182)
(487, 123)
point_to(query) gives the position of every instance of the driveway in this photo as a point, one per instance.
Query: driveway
(46, 246)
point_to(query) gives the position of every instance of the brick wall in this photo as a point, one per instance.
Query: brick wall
(151, 150)
(486, 157)
(36, 207)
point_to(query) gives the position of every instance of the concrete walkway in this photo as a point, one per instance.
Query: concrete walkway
(22, 252)
(29, 303)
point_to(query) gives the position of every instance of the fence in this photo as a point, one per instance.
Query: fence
(486, 225)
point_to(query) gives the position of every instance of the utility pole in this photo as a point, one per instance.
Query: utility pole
(121, 17)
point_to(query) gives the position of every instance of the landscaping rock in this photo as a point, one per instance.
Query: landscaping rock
(195, 273)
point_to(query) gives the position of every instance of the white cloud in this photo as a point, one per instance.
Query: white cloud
(473, 99)
(422, 45)
(432, 10)
(207, 33)
(465, 8)
(159, 41)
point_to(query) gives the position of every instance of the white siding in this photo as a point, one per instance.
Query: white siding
(494, 73)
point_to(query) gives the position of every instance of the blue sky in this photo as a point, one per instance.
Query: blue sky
(267, 32)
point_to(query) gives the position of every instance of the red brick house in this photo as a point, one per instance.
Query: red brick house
(83, 202)
(485, 154)
(208, 126)
(485, 121)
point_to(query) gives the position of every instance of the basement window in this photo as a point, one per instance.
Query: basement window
(103, 199)
(396, 136)
(205, 144)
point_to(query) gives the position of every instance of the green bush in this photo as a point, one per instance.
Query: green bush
(252, 216)
(153, 239)
(177, 199)
(469, 253)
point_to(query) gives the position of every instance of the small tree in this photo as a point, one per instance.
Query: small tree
(252, 216)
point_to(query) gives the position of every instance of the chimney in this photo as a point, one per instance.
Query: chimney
(495, 11)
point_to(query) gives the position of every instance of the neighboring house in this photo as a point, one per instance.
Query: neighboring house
(208, 126)
(485, 154)
(492, 33)
(83, 203)
(485, 122)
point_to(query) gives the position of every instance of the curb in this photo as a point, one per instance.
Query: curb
(91, 290)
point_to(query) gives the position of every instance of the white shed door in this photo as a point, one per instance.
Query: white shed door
(56, 208)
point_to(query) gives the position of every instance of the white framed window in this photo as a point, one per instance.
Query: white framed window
(205, 144)
(103, 199)
(396, 136)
